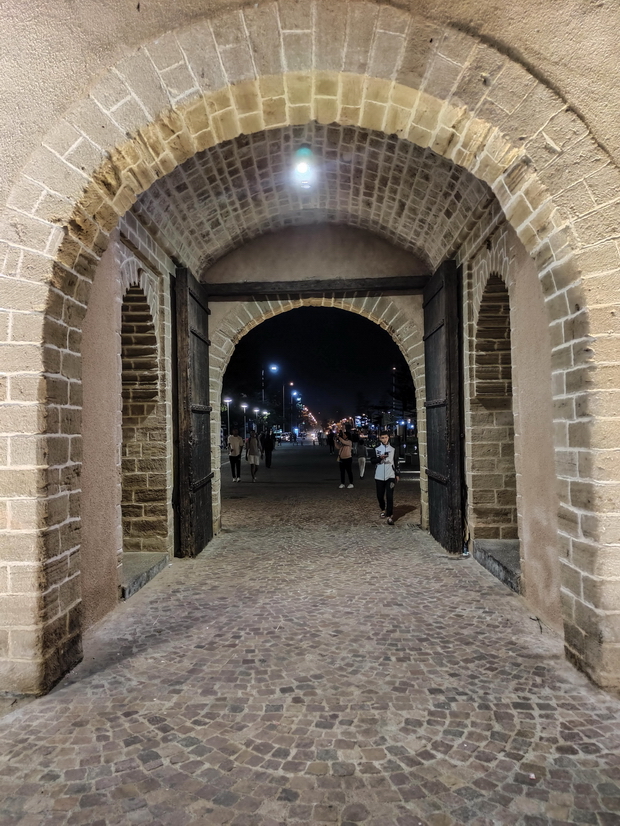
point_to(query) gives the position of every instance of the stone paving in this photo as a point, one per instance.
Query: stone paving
(316, 667)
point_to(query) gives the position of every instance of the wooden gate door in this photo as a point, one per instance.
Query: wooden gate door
(194, 416)
(443, 401)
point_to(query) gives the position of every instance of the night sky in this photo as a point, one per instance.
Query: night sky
(336, 359)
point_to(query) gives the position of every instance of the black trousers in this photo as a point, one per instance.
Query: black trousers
(346, 465)
(268, 458)
(235, 466)
(385, 495)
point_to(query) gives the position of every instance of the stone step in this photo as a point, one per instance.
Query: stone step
(501, 558)
(139, 567)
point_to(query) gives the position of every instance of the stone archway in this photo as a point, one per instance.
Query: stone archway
(178, 101)
(403, 328)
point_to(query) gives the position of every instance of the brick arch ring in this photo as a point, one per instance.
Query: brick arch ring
(145, 117)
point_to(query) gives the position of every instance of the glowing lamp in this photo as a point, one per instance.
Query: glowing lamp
(303, 167)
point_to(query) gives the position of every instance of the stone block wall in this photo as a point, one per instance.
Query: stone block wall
(140, 378)
(145, 493)
(147, 449)
(493, 494)
(493, 359)
(492, 491)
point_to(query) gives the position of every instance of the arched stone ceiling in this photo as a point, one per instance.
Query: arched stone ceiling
(239, 189)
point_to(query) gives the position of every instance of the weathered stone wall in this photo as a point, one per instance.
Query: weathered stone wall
(278, 65)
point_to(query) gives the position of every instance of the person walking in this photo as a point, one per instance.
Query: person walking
(345, 459)
(253, 453)
(330, 441)
(235, 446)
(361, 455)
(268, 442)
(386, 476)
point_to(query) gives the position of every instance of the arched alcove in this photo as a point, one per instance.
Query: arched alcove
(493, 373)
(144, 499)
(493, 482)
(140, 376)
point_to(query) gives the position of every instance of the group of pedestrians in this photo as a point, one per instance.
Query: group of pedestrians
(256, 447)
(382, 457)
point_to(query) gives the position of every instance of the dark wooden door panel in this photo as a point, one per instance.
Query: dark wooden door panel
(443, 399)
(195, 474)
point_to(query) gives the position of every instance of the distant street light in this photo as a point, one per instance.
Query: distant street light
(273, 368)
(291, 384)
(227, 403)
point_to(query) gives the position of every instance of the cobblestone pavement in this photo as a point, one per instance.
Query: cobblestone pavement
(316, 666)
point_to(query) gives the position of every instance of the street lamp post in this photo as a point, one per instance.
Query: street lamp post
(284, 405)
(293, 396)
(273, 369)
(245, 428)
(393, 411)
(227, 403)
(256, 412)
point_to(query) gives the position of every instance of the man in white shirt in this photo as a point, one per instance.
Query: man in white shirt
(386, 476)
(235, 446)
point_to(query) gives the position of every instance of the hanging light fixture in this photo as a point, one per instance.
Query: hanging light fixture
(303, 167)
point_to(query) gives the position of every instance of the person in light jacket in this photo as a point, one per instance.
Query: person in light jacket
(386, 476)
